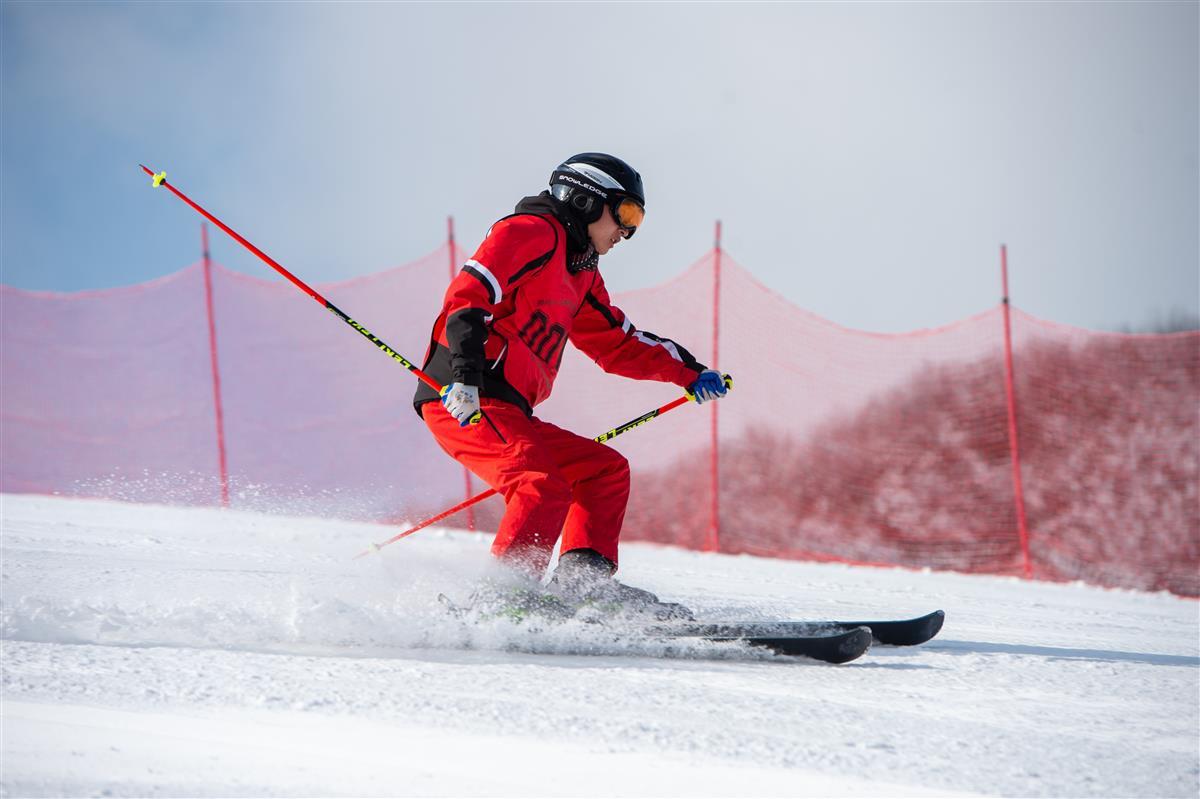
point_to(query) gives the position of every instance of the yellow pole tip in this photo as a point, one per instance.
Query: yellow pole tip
(159, 178)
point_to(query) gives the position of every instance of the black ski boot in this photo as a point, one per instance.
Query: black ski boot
(584, 578)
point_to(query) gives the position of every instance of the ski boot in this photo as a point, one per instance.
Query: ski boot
(584, 579)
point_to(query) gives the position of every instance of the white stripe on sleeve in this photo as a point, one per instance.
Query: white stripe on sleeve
(487, 273)
(669, 346)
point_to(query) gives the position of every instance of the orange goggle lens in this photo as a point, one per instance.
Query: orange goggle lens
(629, 214)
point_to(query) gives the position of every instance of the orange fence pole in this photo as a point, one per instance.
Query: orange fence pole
(713, 541)
(216, 371)
(1011, 394)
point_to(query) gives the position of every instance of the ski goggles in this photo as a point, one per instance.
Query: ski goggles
(628, 213)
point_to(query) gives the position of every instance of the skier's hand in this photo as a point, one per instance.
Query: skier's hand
(462, 402)
(710, 385)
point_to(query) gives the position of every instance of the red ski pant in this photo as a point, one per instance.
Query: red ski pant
(553, 482)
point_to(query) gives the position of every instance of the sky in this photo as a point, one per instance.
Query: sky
(866, 160)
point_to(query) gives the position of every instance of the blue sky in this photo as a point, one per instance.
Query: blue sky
(866, 159)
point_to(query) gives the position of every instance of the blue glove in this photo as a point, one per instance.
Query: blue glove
(710, 385)
(462, 401)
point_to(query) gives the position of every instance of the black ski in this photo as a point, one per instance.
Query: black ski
(829, 645)
(905, 632)
(832, 645)
(900, 632)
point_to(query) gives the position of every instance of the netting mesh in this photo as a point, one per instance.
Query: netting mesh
(103, 392)
(837, 444)
(110, 394)
(1109, 427)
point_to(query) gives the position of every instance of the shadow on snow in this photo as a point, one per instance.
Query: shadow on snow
(1062, 653)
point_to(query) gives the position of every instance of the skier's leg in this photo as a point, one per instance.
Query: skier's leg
(599, 479)
(522, 469)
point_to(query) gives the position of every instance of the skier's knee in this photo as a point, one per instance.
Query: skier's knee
(616, 466)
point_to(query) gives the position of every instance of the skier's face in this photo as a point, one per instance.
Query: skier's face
(605, 232)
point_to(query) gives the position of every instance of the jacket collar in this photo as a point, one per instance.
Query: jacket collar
(581, 254)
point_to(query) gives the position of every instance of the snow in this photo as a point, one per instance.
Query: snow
(164, 651)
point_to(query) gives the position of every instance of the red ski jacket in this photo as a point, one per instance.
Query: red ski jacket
(508, 314)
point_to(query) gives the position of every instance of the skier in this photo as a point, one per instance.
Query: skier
(496, 346)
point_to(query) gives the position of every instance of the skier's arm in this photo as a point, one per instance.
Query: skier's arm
(514, 249)
(605, 334)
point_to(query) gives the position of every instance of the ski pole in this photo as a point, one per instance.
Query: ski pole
(160, 179)
(603, 437)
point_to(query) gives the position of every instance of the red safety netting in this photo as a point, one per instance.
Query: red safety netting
(895, 449)
(837, 444)
(110, 393)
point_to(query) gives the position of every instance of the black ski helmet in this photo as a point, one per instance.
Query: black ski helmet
(589, 181)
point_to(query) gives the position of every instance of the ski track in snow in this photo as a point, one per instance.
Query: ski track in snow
(150, 650)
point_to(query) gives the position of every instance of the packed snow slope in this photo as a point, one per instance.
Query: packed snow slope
(158, 651)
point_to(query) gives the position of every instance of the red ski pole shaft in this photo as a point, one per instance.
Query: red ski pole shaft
(160, 179)
(603, 437)
(466, 503)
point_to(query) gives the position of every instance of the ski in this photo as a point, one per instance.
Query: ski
(830, 646)
(897, 632)
(903, 632)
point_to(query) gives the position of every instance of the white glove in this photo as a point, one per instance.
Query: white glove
(462, 402)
